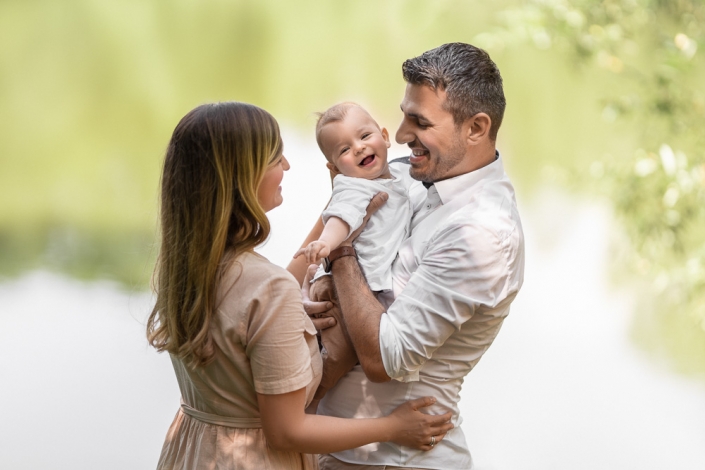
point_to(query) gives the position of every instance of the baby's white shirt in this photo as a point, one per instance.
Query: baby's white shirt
(379, 242)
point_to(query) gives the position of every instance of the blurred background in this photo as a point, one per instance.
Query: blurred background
(601, 363)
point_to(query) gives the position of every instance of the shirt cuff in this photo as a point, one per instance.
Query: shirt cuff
(391, 353)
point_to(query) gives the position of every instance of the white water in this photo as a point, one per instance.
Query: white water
(562, 387)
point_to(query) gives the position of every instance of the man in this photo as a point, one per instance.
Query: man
(455, 276)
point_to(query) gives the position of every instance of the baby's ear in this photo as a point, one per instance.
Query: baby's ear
(333, 169)
(385, 134)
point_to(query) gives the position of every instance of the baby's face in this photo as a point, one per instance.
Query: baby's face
(356, 145)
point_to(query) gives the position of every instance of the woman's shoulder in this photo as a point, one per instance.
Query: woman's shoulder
(251, 281)
(252, 269)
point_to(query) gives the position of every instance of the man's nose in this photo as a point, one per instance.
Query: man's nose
(403, 136)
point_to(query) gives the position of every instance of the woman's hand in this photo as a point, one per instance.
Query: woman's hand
(416, 429)
(316, 310)
(288, 428)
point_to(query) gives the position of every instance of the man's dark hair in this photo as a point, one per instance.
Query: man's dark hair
(468, 76)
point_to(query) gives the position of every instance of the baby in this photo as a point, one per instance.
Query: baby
(356, 147)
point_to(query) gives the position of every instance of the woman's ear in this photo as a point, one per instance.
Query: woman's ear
(385, 134)
(478, 128)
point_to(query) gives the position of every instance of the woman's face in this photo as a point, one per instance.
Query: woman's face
(269, 193)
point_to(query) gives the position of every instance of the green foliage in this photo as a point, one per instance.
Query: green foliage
(653, 51)
(89, 253)
(91, 91)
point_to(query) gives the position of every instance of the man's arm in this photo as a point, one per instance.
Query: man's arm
(362, 314)
(455, 278)
(361, 311)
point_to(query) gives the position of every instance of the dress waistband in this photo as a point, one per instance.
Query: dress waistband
(218, 420)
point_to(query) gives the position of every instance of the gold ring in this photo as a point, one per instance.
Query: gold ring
(433, 441)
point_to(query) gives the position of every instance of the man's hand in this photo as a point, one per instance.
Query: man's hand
(314, 251)
(316, 310)
(377, 201)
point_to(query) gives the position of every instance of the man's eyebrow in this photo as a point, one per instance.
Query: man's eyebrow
(413, 115)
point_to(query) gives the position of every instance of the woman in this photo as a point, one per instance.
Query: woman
(244, 351)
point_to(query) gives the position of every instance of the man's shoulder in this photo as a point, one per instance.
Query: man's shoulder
(483, 231)
(488, 214)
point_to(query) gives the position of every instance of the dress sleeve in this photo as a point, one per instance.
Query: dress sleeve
(276, 347)
(465, 270)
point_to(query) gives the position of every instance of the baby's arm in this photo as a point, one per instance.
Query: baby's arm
(334, 233)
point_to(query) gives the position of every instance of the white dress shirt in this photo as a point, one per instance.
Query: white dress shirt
(379, 242)
(454, 280)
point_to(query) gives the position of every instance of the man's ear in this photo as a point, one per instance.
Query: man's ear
(478, 128)
(385, 134)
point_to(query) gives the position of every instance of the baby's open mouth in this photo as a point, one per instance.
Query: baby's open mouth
(367, 160)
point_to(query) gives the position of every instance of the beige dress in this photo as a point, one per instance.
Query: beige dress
(264, 343)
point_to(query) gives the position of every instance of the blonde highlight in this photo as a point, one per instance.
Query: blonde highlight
(209, 213)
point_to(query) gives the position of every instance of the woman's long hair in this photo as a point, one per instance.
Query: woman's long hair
(214, 164)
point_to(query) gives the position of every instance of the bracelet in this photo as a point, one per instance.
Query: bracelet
(335, 254)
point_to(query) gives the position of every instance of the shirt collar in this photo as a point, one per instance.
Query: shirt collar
(451, 187)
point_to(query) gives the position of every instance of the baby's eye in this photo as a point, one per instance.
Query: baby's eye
(344, 149)
(366, 135)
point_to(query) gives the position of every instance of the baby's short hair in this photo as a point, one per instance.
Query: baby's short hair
(335, 113)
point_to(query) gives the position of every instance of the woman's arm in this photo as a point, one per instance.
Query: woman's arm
(288, 428)
(299, 266)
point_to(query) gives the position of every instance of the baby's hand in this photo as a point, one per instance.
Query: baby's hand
(314, 252)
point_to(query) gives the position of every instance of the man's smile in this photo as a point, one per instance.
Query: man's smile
(418, 154)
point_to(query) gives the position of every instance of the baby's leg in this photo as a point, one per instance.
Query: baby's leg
(338, 354)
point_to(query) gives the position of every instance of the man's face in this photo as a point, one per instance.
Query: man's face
(438, 148)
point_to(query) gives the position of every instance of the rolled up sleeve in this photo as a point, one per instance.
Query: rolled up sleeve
(466, 269)
(349, 201)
